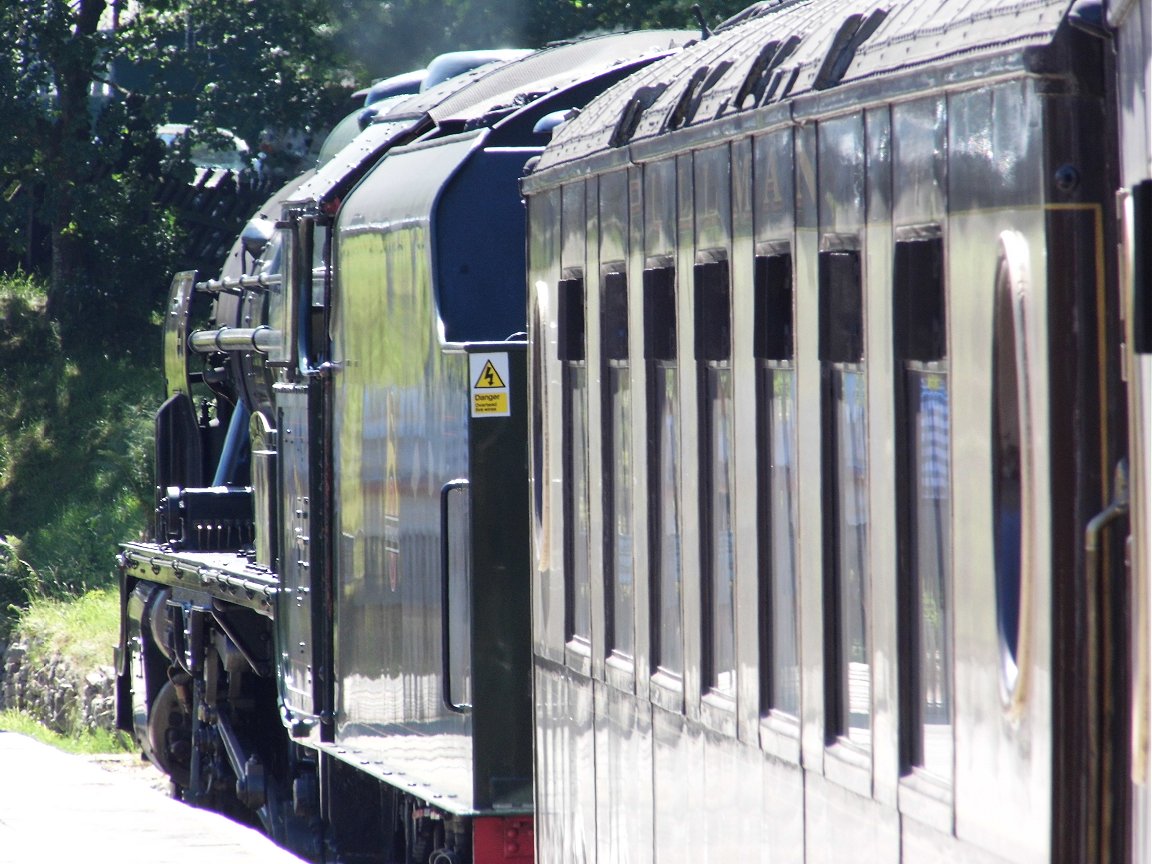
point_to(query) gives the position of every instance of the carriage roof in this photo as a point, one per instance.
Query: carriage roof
(774, 52)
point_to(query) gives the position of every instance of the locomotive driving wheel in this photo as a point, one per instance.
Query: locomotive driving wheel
(170, 734)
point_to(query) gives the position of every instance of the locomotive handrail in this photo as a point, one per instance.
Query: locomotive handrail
(241, 284)
(445, 589)
(261, 339)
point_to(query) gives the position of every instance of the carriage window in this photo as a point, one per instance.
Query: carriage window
(848, 624)
(574, 384)
(776, 484)
(663, 466)
(1007, 492)
(923, 503)
(617, 412)
(713, 340)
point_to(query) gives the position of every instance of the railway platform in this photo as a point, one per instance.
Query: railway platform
(58, 807)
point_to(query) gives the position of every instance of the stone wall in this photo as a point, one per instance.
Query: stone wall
(64, 698)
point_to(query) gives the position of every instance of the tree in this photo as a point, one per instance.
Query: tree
(85, 83)
(256, 68)
(50, 66)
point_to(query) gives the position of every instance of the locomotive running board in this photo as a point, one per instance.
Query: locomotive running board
(223, 575)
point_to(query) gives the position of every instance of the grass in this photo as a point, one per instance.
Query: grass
(84, 630)
(86, 743)
(21, 285)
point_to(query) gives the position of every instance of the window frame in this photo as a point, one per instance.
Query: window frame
(920, 353)
(842, 359)
(575, 470)
(661, 358)
(616, 450)
(774, 353)
(713, 349)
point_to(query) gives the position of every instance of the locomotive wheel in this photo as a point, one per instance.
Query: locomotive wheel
(170, 734)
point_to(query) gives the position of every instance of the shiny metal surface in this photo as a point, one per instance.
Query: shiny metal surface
(565, 762)
(623, 731)
(617, 457)
(260, 339)
(908, 154)
(265, 488)
(873, 159)
(1133, 23)
(503, 86)
(176, 333)
(712, 199)
(726, 75)
(773, 194)
(224, 576)
(659, 209)
(294, 603)
(547, 505)
(1001, 766)
(923, 845)
(401, 408)
(919, 153)
(841, 826)
(677, 754)
(336, 176)
(250, 308)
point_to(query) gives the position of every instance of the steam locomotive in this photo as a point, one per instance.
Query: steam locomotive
(680, 447)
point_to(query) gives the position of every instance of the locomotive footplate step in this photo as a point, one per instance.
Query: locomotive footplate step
(58, 807)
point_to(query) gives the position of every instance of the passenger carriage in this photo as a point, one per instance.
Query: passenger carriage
(827, 395)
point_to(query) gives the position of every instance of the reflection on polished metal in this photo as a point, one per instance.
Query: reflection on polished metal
(261, 339)
(237, 286)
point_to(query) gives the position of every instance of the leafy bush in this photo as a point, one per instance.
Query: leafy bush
(75, 450)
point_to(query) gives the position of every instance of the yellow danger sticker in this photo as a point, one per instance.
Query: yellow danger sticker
(490, 404)
(489, 376)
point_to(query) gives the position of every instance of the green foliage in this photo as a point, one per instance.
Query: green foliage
(87, 743)
(249, 67)
(18, 583)
(83, 629)
(79, 172)
(82, 632)
(75, 452)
